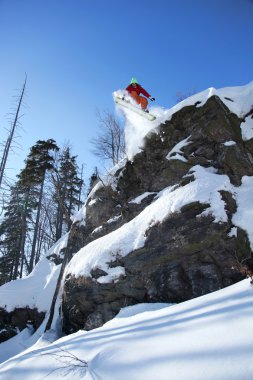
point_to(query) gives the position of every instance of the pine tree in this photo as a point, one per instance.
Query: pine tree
(68, 186)
(13, 231)
(38, 163)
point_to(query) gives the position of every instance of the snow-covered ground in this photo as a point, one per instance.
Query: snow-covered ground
(208, 337)
(205, 338)
(35, 290)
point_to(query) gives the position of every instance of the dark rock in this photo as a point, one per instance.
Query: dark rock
(13, 322)
(230, 203)
(57, 259)
(185, 256)
(249, 264)
(96, 273)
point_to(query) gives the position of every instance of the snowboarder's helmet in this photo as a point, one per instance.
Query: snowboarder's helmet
(134, 80)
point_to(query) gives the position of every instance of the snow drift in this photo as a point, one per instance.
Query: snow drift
(207, 337)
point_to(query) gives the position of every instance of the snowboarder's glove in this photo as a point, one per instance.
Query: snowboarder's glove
(152, 99)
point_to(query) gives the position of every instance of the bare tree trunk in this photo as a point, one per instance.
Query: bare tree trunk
(80, 190)
(10, 138)
(36, 229)
(23, 238)
(22, 245)
(50, 221)
(16, 262)
(62, 210)
(59, 223)
(69, 210)
(39, 243)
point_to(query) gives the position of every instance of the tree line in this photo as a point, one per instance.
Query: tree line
(47, 192)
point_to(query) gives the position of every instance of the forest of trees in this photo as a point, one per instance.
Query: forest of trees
(36, 208)
(39, 208)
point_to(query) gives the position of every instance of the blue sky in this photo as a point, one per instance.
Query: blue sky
(76, 53)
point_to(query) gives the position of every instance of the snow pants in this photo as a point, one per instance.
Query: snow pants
(139, 99)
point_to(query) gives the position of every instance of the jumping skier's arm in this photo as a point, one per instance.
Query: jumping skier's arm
(144, 92)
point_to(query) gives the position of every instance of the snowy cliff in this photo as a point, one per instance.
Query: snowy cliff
(172, 221)
(169, 223)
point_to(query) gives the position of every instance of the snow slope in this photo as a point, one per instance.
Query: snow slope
(35, 290)
(205, 338)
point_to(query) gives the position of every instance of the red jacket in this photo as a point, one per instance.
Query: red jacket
(138, 89)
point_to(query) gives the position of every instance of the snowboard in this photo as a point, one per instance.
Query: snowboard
(130, 106)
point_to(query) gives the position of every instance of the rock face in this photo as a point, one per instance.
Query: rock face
(17, 320)
(185, 256)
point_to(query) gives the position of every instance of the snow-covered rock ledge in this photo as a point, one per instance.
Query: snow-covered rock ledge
(181, 209)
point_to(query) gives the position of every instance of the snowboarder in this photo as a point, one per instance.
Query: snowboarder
(135, 90)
